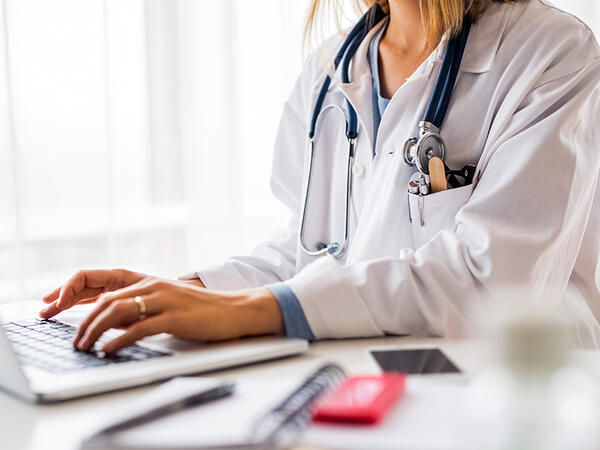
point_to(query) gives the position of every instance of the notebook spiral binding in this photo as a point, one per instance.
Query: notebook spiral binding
(280, 426)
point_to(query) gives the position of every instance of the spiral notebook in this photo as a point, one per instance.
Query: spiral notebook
(262, 413)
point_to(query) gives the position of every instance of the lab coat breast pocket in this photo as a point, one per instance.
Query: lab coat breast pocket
(436, 212)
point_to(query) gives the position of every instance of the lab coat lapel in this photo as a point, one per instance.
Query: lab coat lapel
(484, 41)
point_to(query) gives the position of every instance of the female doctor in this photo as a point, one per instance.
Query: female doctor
(502, 99)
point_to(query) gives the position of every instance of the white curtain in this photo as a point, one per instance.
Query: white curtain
(139, 133)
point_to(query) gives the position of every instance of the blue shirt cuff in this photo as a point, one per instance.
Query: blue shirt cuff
(294, 319)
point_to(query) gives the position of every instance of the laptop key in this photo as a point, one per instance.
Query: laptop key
(47, 344)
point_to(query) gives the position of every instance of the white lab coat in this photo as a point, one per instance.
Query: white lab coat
(524, 110)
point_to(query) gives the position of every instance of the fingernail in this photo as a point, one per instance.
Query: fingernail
(107, 348)
(81, 345)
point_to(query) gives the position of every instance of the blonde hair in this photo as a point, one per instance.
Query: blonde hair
(438, 16)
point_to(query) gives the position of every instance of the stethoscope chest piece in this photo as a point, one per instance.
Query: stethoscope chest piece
(418, 151)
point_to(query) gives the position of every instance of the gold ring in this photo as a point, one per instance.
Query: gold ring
(141, 306)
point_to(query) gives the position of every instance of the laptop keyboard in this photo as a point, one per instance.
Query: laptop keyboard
(48, 344)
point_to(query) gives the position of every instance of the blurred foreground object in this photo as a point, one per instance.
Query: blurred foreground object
(534, 397)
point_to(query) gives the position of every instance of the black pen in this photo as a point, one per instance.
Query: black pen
(170, 408)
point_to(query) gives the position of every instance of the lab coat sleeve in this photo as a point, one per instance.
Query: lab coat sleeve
(522, 227)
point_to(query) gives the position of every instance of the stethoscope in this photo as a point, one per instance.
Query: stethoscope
(417, 151)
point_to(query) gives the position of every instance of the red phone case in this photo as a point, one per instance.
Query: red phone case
(362, 399)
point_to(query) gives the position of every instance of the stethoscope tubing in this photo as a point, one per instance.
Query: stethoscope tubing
(344, 56)
(335, 248)
(442, 91)
(362, 27)
(352, 123)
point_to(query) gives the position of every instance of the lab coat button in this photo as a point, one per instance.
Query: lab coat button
(358, 169)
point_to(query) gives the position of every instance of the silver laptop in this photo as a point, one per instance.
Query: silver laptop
(38, 362)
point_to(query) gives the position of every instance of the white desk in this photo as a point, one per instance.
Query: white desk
(37, 427)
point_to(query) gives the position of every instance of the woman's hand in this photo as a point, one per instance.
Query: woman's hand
(86, 286)
(182, 309)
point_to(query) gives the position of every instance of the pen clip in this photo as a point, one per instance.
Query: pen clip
(419, 186)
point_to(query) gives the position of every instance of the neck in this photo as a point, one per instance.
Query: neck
(405, 31)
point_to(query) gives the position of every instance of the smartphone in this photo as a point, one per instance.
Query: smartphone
(414, 361)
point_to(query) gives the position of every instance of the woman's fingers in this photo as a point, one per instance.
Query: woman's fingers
(91, 279)
(83, 326)
(119, 312)
(85, 286)
(57, 305)
(50, 311)
(148, 327)
(142, 289)
(87, 296)
(49, 298)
